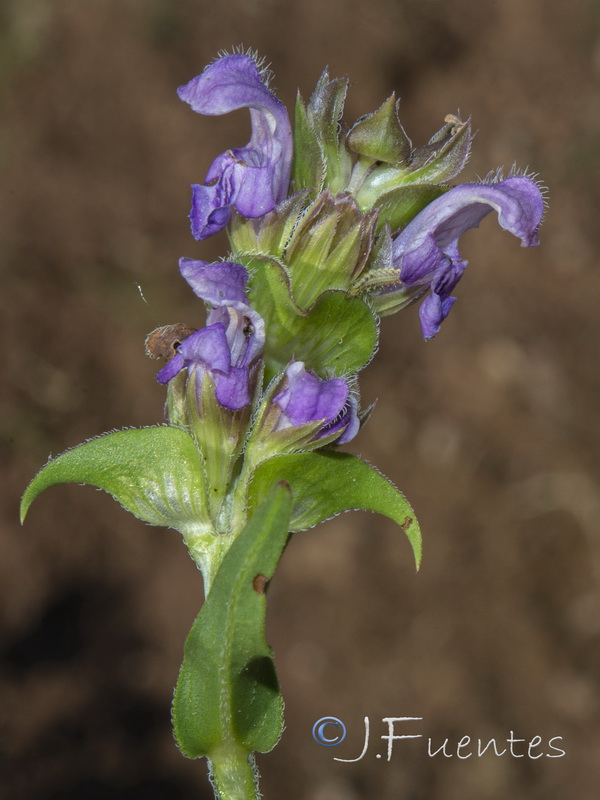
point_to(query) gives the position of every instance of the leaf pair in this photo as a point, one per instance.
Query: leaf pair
(227, 698)
(227, 702)
(156, 474)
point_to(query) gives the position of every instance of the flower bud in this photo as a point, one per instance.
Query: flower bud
(329, 247)
(380, 136)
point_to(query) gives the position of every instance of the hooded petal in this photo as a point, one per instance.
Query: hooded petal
(426, 251)
(222, 284)
(231, 389)
(211, 209)
(306, 398)
(172, 368)
(518, 202)
(433, 312)
(208, 350)
(347, 422)
(253, 178)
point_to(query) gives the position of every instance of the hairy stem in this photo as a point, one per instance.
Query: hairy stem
(234, 775)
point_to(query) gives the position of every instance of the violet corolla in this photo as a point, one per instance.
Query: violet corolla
(254, 178)
(426, 252)
(232, 340)
(307, 399)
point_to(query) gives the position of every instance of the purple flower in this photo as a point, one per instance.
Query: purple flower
(426, 251)
(253, 178)
(222, 284)
(307, 398)
(231, 343)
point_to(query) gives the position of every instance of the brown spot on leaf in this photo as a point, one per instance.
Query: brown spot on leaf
(259, 584)
(406, 524)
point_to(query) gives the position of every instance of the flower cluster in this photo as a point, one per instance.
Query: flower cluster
(330, 229)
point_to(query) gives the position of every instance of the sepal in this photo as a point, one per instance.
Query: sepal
(380, 136)
(309, 167)
(435, 163)
(380, 270)
(329, 247)
(219, 433)
(269, 234)
(323, 113)
(445, 155)
(402, 204)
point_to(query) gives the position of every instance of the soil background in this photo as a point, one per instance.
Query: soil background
(491, 429)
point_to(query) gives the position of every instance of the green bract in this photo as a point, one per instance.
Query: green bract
(336, 335)
(155, 473)
(324, 484)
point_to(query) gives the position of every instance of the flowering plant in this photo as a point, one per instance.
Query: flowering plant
(330, 229)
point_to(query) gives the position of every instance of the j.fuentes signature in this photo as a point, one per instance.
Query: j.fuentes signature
(331, 731)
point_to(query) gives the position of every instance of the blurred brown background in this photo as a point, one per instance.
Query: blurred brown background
(491, 429)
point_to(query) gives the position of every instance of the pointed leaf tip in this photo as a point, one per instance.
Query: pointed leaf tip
(155, 473)
(326, 483)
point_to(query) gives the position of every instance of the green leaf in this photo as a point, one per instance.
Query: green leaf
(227, 696)
(155, 473)
(336, 336)
(326, 483)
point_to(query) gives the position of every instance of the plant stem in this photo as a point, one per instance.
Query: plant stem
(234, 776)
